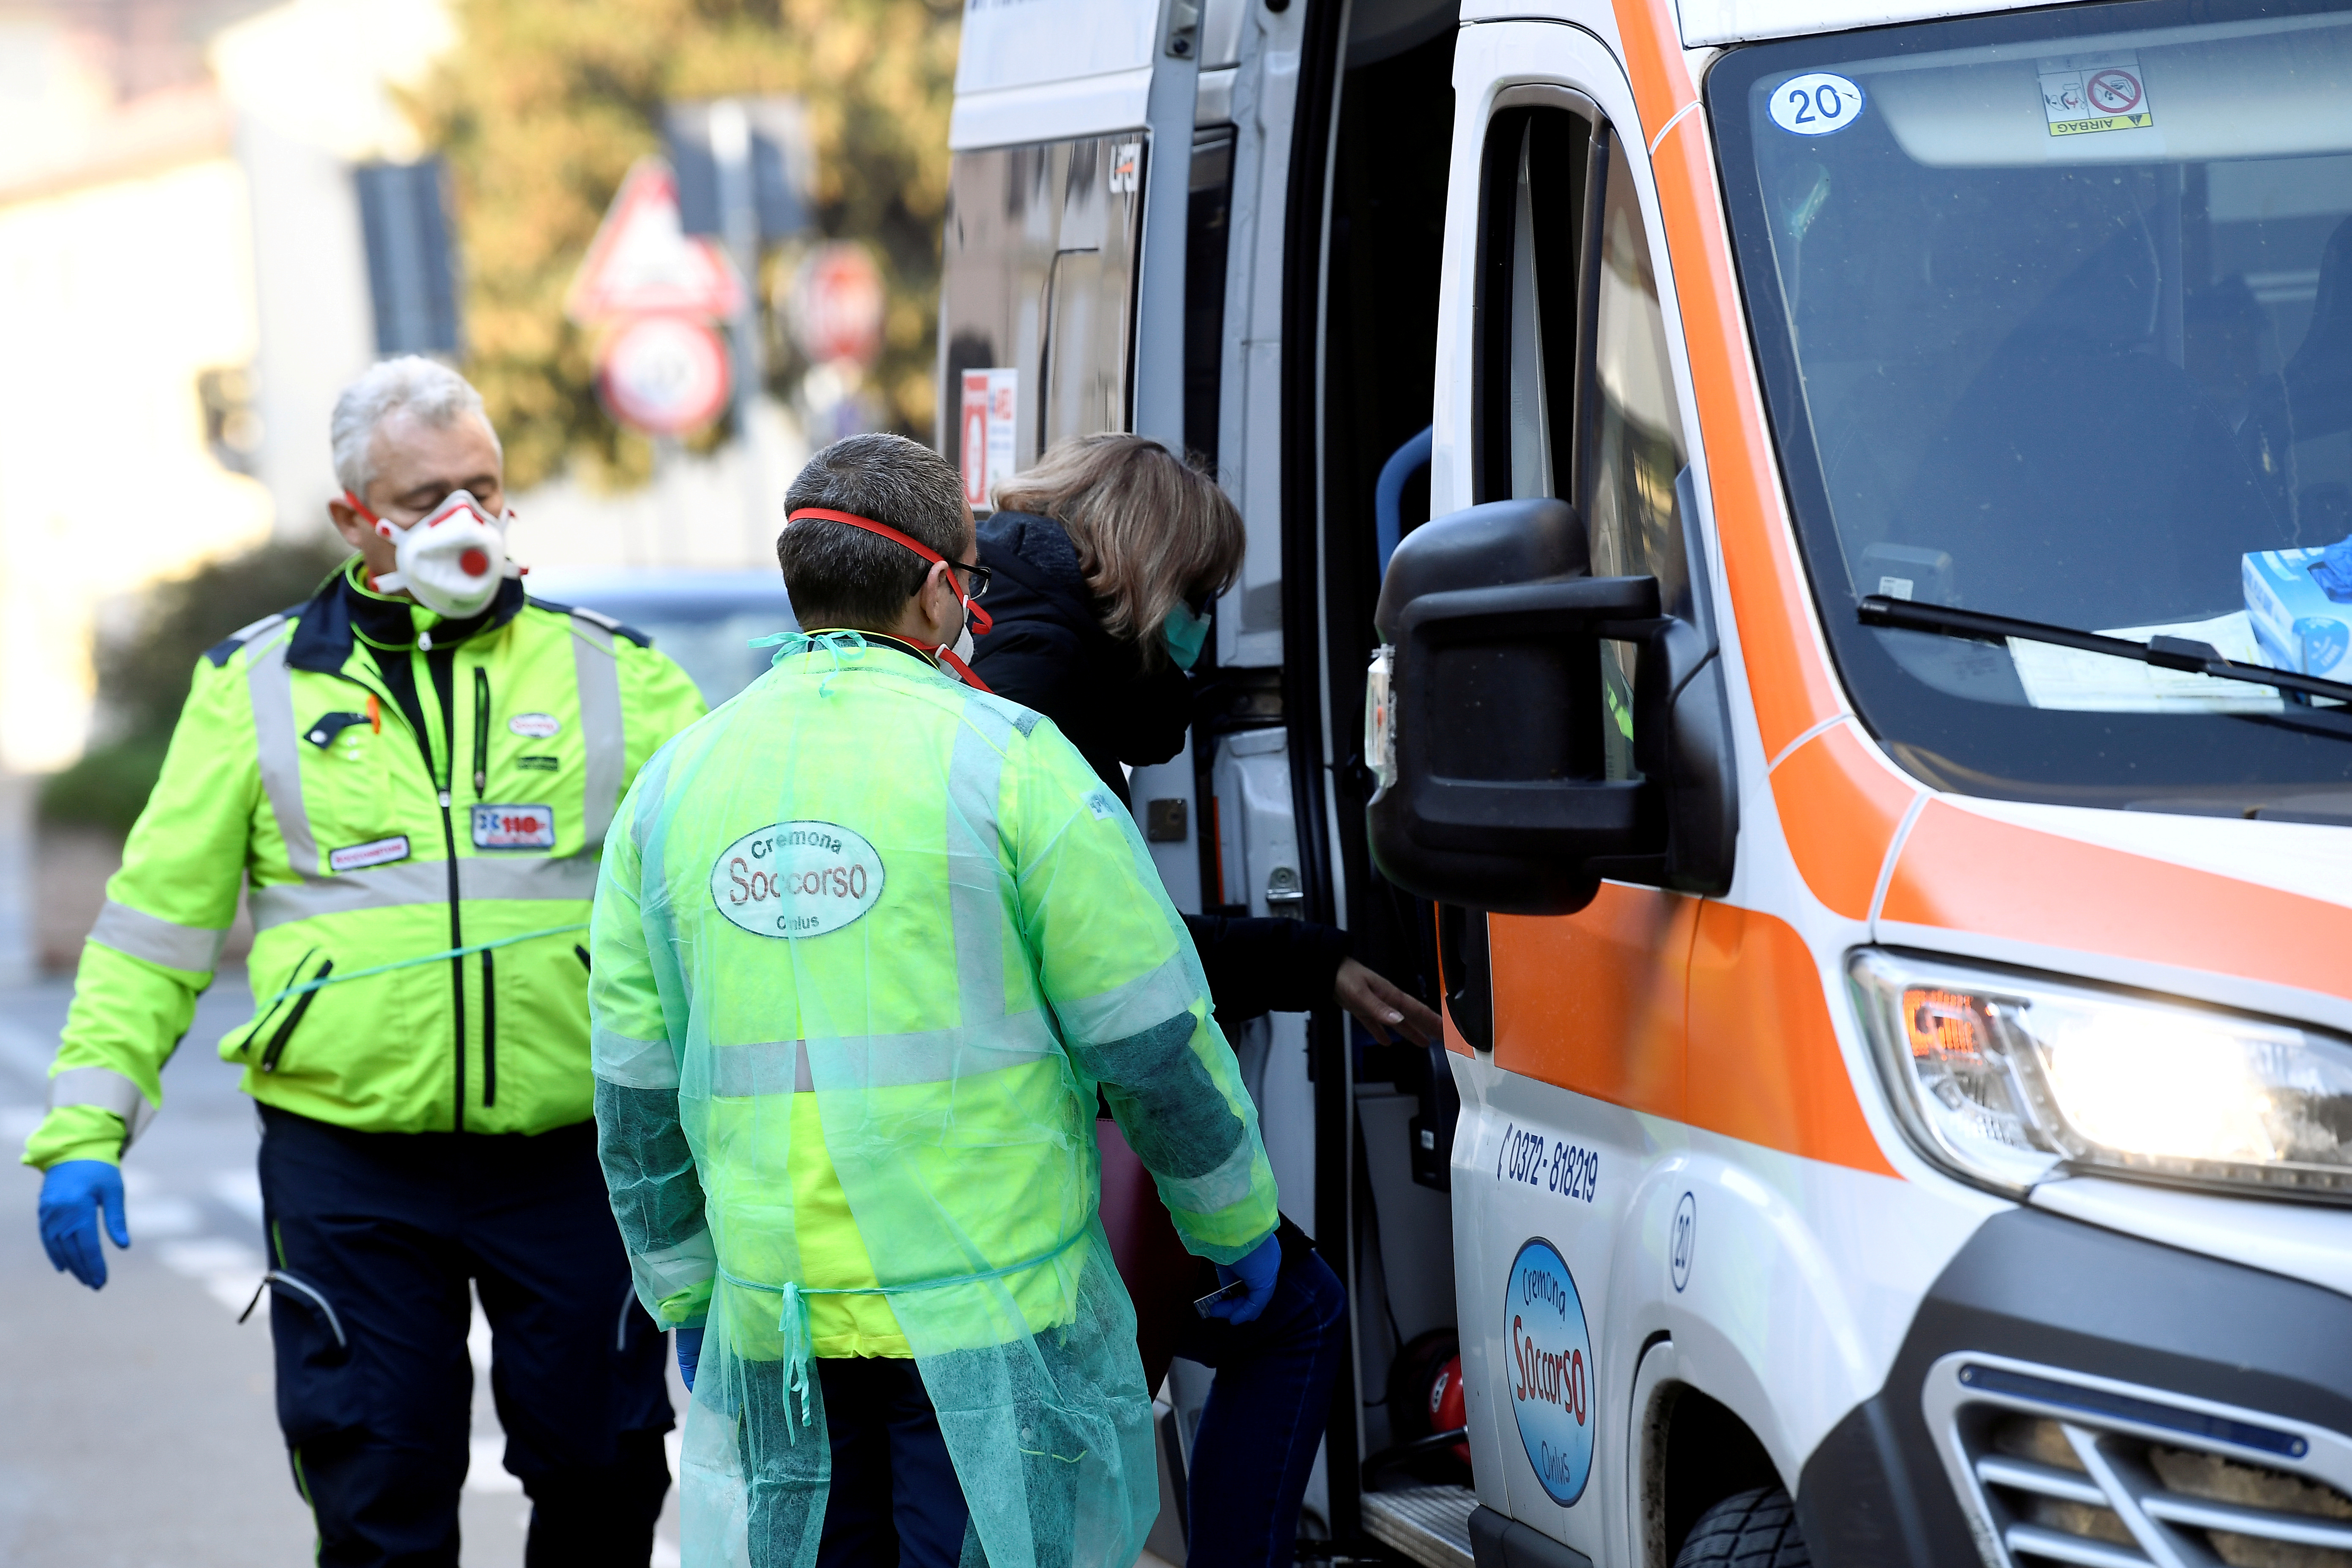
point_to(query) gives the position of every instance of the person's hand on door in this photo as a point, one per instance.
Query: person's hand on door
(1382, 1007)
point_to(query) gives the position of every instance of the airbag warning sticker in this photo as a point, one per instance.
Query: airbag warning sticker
(2082, 93)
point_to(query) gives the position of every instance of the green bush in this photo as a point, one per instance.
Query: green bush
(108, 788)
(144, 671)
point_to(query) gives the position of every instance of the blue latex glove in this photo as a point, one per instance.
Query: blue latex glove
(689, 1353)
(1258, 1269)
(2333, 571)
(71, 1194)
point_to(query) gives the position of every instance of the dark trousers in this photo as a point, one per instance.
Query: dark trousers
(895, 1497)
(1256, 1447)
(372, 1238)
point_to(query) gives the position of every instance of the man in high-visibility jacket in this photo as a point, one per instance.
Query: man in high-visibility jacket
(415, 769)
(867, 944)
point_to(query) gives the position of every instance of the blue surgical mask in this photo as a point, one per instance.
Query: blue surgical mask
(1184, 631)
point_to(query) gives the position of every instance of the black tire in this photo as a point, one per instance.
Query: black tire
(1749, 1530)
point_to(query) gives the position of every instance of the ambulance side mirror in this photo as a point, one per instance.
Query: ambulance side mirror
(1486, 725)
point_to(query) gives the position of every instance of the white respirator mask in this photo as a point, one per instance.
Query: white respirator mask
(451, 559)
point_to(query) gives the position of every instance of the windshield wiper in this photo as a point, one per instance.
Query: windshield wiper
(2164, 652)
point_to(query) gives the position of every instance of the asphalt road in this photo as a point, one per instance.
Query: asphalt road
(136, 1427)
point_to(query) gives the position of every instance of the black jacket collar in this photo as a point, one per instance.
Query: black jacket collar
(879, 639)
(339, 614)
(900, 644)
(1037, 552)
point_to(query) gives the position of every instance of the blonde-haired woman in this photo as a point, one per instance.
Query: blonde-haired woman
(1104, 561)
(1105, 558)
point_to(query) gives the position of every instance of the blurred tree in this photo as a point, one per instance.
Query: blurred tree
(144, 666)
(546, 103)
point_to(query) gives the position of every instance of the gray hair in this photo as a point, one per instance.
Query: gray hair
(839, 575)
(413, 385)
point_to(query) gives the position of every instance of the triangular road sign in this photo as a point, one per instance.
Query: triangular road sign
(642, 263)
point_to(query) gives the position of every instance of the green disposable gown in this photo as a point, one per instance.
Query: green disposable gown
(866, 945)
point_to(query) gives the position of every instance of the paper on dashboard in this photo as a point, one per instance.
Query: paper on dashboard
(2066, 677)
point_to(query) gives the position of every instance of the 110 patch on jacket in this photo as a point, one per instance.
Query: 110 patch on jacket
(514, 828)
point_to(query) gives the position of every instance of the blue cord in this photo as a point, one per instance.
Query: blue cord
(1388, 496)
(793, 1319)
(836, 643)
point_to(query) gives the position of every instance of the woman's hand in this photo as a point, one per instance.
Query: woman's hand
(1379, 1006)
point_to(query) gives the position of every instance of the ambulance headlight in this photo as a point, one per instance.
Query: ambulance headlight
(2009, 1077)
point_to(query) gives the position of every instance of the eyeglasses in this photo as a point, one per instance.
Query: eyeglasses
(980, 577)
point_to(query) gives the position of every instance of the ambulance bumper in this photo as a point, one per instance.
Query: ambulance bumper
(2192, 1381)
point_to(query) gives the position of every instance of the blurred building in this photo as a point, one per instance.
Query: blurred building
(182, 290)
(186, 283)
(125, 274)
(311, 88)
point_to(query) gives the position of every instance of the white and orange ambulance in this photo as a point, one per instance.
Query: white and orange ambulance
(1861, 748)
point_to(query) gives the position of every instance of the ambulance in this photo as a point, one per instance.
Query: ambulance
(1796, 577)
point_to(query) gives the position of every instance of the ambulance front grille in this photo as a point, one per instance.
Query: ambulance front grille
(2055, 1468)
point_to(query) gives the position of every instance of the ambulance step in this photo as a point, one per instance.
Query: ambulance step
(1429, 1524)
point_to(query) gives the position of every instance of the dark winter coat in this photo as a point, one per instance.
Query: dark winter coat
(1048, 651)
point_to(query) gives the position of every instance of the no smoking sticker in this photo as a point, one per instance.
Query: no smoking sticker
(2083, 94)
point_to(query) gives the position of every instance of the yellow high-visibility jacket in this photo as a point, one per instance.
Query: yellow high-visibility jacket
(457, 800)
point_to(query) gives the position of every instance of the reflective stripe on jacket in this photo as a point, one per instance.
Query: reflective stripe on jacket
(389, 801)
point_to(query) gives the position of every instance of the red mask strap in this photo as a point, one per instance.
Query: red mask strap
(375, 522)
(982, 624)
(965, 672)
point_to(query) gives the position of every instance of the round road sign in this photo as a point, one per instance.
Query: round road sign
(837, 304)
(663, 375)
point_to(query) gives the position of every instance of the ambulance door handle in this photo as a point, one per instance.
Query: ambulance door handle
(1469, 984)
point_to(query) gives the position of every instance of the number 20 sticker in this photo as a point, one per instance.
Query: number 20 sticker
(1816, 105)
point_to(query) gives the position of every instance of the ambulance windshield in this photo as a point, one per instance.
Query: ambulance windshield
(2054, 311)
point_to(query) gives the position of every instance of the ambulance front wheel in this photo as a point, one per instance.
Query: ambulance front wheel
(1752, 1529)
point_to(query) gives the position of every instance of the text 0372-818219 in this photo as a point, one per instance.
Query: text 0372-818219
(1556, 1166)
